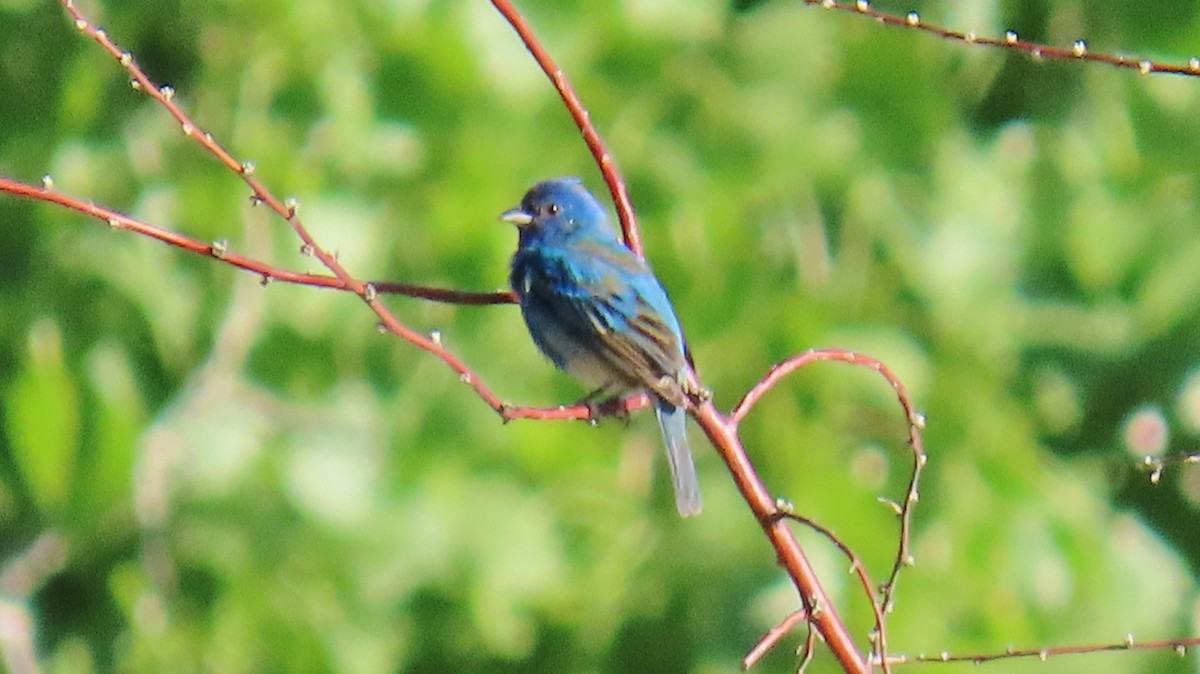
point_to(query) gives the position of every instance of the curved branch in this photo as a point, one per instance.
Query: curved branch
(604, 158)
(915, 420)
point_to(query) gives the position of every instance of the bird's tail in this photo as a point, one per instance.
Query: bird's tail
(673, 421)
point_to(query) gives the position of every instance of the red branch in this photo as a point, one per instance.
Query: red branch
(1180, 646)
(604, 158)
(1078, 51)
(771, 638)
(220, 250)
(722, 431)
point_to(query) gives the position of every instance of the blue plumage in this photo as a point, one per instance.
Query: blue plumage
(598, 313)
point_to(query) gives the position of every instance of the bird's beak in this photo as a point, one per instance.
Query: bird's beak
(516, 216)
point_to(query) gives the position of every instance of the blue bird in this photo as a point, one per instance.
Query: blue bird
(599, 314)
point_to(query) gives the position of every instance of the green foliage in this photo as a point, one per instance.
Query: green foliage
(42, 420)
(255, 480)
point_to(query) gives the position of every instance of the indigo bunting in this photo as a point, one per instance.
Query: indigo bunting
(598, 313)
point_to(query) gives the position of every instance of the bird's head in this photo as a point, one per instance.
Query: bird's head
(559, 210)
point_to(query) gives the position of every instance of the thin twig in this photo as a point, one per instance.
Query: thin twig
(879, 637)
(1157, 465)
(220, 250)
(1180, 647)
(1078, 51)
(773, 636)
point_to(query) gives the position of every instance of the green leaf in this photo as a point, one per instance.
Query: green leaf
(42, 412)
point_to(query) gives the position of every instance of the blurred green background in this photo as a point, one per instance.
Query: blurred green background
(201, 475)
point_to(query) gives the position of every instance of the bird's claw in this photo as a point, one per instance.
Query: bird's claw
(698, 394)
(607, 407)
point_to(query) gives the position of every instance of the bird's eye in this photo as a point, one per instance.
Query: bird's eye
(554, 209)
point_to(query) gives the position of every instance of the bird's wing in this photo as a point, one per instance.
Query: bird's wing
(609, 301)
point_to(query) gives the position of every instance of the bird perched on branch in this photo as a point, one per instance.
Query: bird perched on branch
(596, 310)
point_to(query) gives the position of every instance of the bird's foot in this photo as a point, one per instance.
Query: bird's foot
(600, 408)
(694, 391)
